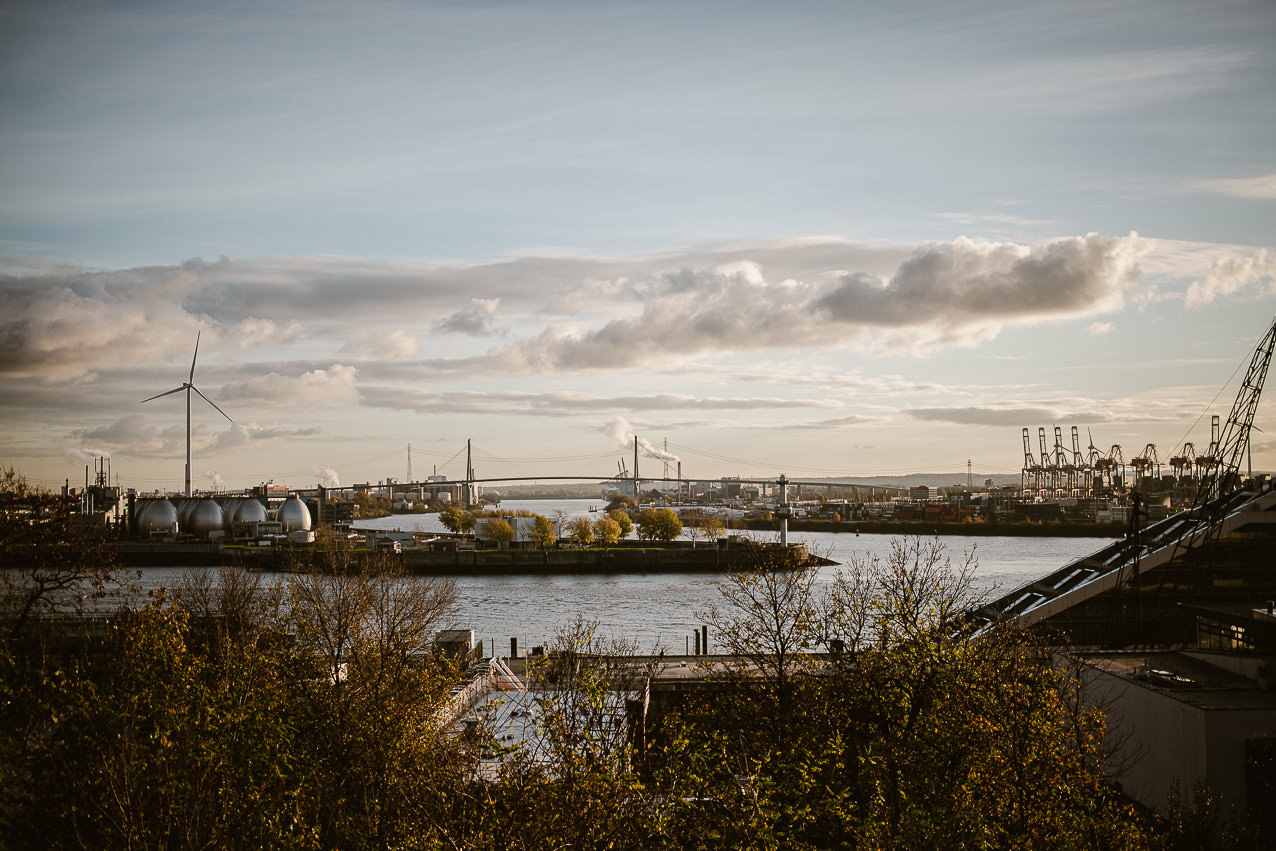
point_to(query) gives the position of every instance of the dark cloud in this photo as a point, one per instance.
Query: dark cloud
(973, 282)
(476, 320)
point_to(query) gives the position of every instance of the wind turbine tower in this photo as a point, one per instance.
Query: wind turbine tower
(188, 386)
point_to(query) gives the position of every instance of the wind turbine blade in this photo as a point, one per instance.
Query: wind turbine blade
(211, 402)
(191, 380)
(167, 393)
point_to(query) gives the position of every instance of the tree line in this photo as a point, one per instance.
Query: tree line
(617, 524)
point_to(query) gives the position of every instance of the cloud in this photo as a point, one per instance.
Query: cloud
(390, 345)
(334, 384)
(560, 403)
(1019, 417)
(137, 435)
(250, 333)
(1050, 412)
(1098, 329)
(241, 434)
(475, 319)
(818, 425)
(1262, 186)
(991, 219)
(1229, 276)
(947, 294)
(66, 324)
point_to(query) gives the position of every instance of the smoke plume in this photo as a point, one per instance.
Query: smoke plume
(621, 432)
(84, 454)
(216, 479)
(327, 476)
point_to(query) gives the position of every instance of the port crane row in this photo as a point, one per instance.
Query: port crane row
(1063, 472)
(1223, 503)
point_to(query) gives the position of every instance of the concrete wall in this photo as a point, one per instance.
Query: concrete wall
(1161, 740)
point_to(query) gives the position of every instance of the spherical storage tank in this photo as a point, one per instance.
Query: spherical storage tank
(250, 511)
(156, 515)
(205, 517)
(186, 508)
(294, 515)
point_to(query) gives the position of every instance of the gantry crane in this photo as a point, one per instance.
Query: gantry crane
(1183, 465)
(1146, 466)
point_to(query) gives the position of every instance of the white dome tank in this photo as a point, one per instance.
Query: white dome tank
(250, 511)
(294, 515)
(156, 515)
(205, 517)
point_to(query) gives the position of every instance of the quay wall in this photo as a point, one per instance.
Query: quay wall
(677, 557)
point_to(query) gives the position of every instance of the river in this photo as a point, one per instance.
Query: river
(659, 610)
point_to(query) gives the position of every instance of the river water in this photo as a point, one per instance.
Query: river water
(659, 610)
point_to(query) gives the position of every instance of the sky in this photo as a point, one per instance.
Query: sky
(819, 239)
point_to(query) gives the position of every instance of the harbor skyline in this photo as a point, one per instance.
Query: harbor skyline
(845, 240)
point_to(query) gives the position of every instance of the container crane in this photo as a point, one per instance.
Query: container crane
(1184, 464)
(1146, 465)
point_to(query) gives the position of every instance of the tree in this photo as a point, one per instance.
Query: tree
(623, 520)
(914, 734)
(457, 521)
(768, 617)
(501, 531)
(543, 531)
(621, 502)
(51, 559)
(572, 784)
(606, 531)
(580, 531)
(658, 524)
(713, 526)
(450, 517)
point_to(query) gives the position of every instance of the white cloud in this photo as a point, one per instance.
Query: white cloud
(991, 219)
(331, 385)
(1098, 329)
(1232, 275)
(1262, 186)
(253, 332)
(390, 345)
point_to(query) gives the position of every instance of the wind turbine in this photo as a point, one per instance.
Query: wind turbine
(188, 386)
